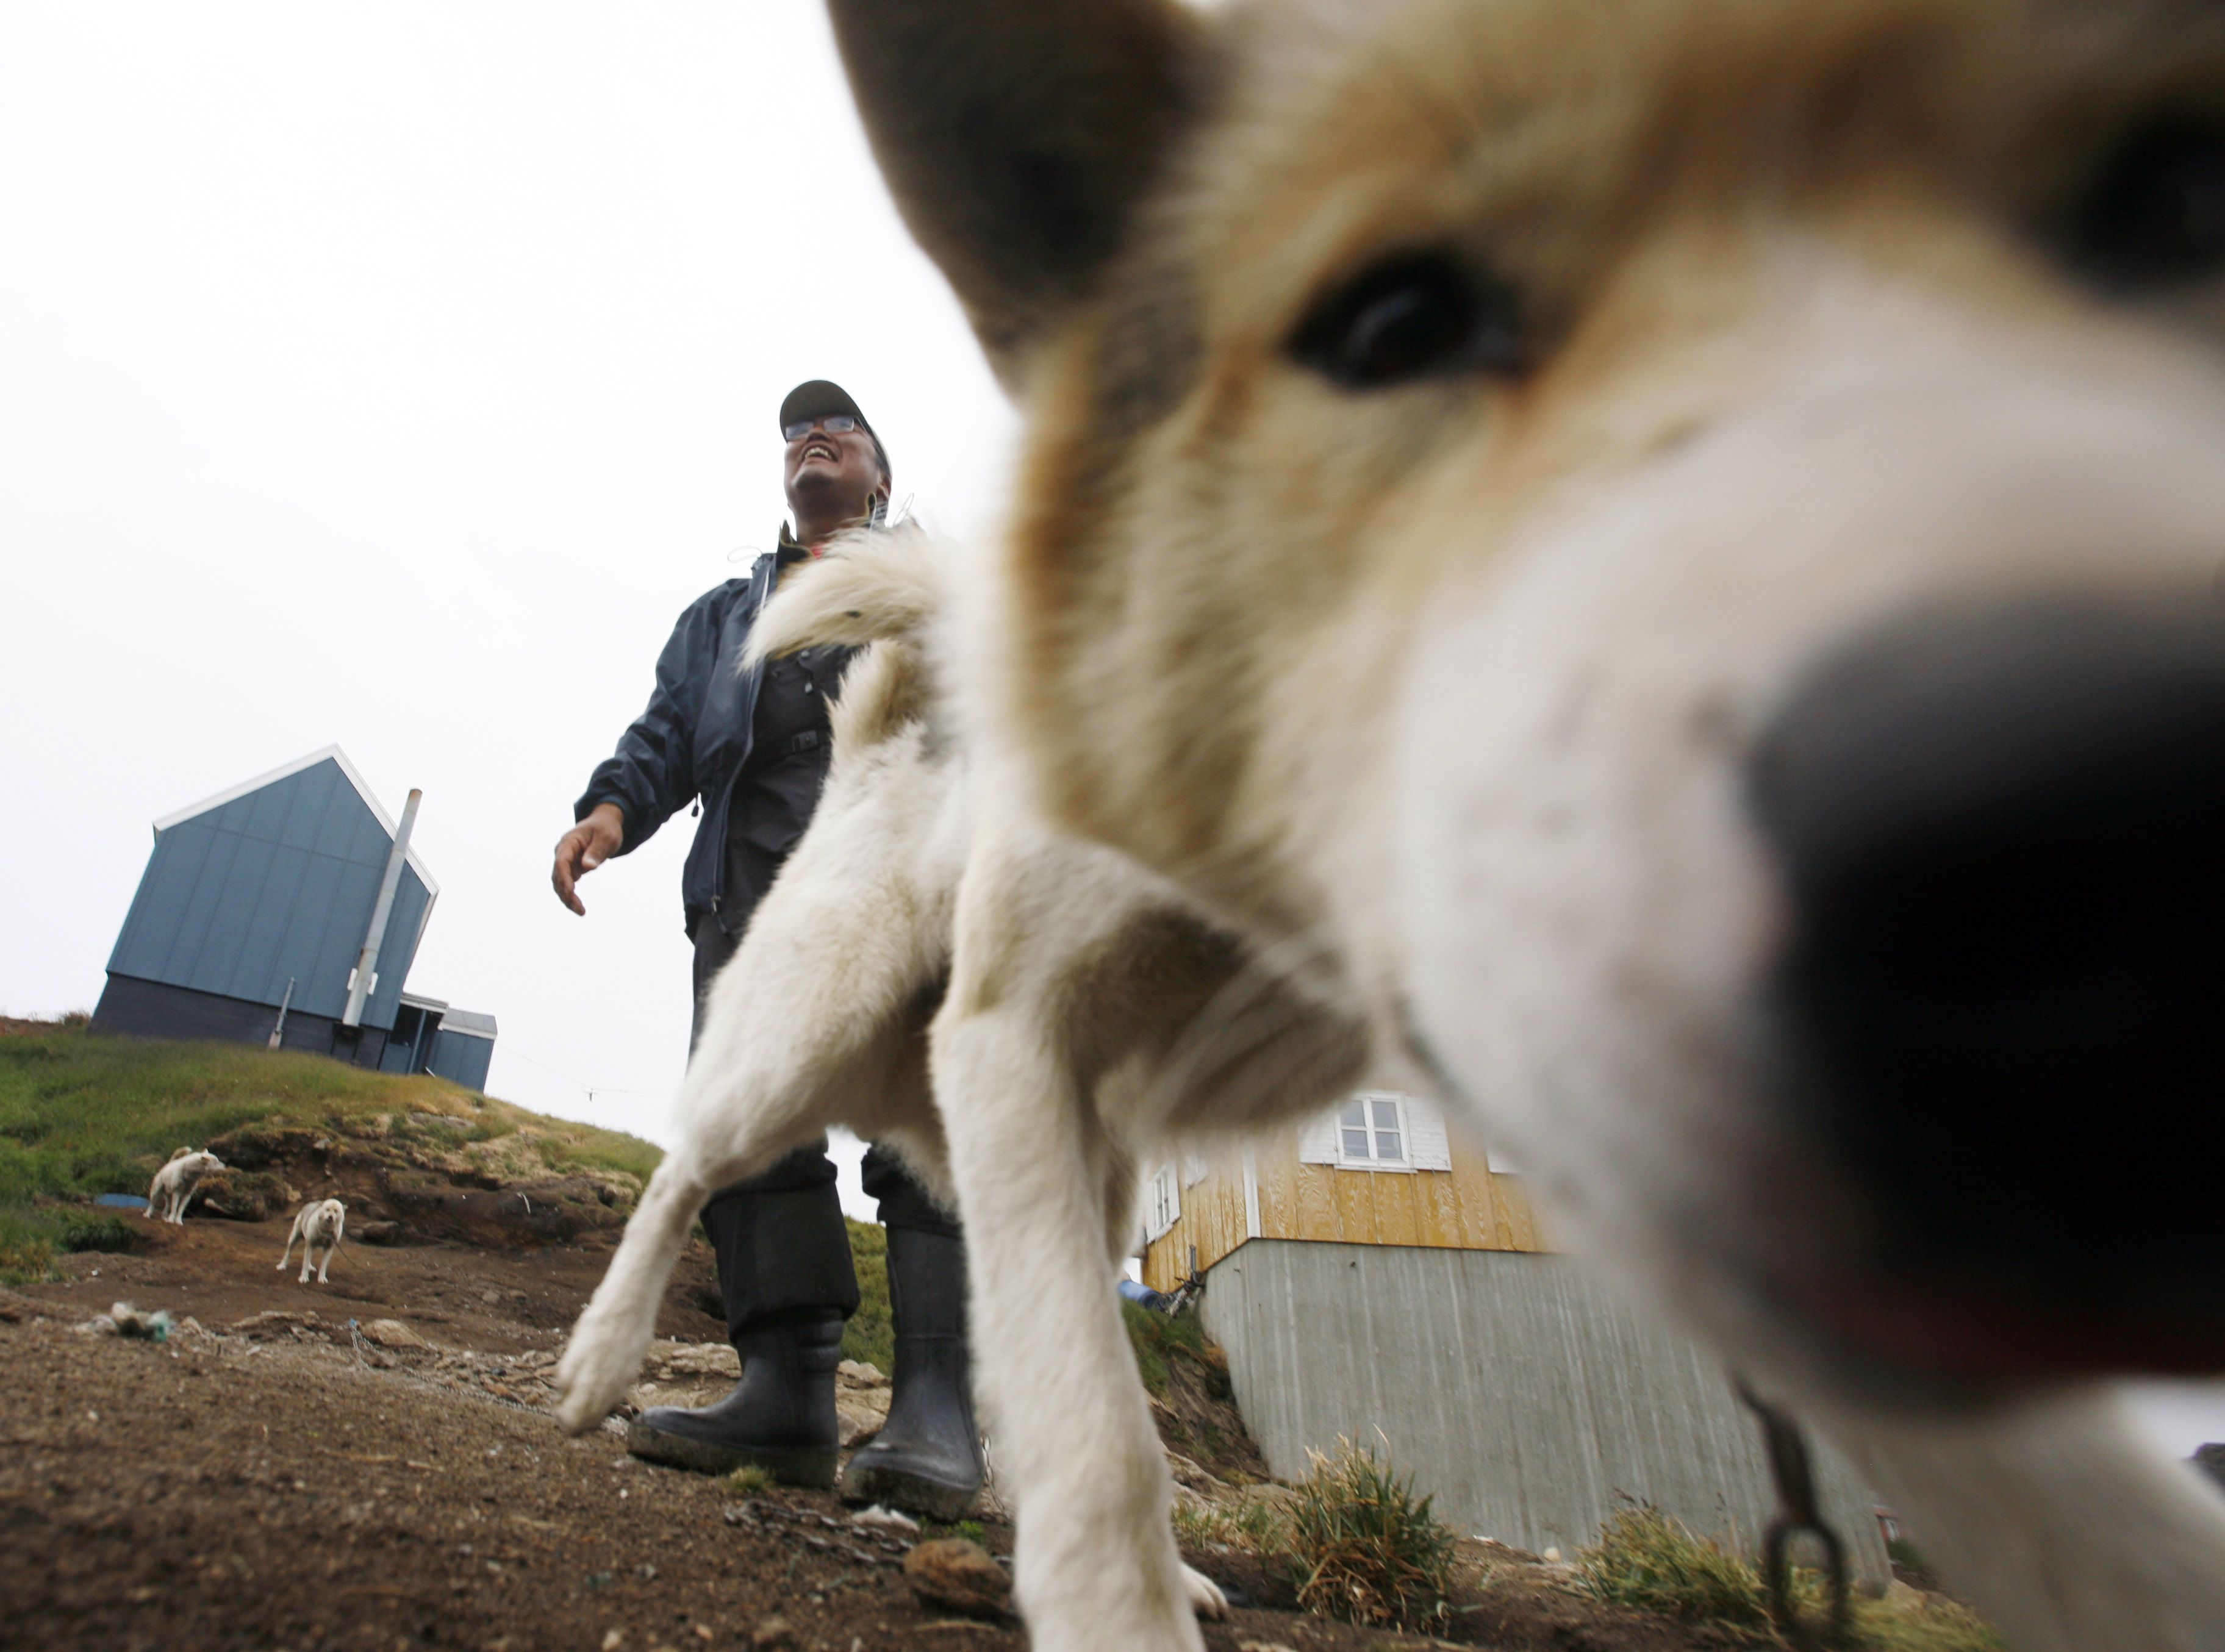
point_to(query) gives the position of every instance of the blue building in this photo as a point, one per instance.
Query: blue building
(253, 912)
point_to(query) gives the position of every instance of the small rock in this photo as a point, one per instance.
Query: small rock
(392, 1333)
(958, 1576)
(862, 1374)
(773, 1632)
(887, 1518)
(613, 1639)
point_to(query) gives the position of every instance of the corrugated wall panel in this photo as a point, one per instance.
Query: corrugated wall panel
(216, 965)
(1532, 1402)
(461, 1058)
(263, 963)
(151, 928)
(202, 901)
(343, 812)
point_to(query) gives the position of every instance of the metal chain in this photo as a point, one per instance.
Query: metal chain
(1797, 1512)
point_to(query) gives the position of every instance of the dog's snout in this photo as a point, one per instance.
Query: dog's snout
(2000, 996)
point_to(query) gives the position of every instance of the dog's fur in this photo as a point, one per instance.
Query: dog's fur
(176, 1182)
(319, 1224)
(1443, 689)
(1136, 1014)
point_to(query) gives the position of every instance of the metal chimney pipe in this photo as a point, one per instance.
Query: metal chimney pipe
(366, 961)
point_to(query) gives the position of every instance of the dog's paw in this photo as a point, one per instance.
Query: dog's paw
(1205, 1596)
(593, 1376)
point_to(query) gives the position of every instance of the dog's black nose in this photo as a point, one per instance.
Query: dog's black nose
(2001, 999)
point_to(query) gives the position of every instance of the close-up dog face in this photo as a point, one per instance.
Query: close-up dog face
(1669, 549)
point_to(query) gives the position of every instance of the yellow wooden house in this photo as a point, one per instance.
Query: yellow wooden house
(1381, 1169)
(1373, 1275)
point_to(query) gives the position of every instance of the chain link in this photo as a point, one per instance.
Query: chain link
(1794, 1473)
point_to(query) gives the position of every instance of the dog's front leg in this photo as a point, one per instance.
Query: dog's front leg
(1095, 1562)
(1096, 1568)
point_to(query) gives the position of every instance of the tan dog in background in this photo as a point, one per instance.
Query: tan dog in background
(1661, 555)
(176, 1182)
(319, 1224)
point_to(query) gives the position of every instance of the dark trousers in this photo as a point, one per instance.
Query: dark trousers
(779, 1239)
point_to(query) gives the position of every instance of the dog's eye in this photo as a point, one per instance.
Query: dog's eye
(2155, 214)
(1411, 316)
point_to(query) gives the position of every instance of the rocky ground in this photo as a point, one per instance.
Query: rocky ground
(368, 1465)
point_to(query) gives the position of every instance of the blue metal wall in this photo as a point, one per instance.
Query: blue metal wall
(275, 883)
(461, 1058)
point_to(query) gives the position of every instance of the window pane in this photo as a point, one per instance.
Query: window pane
(1355, 1144)
(1386, 1115)
(1386, 1145)
(1355, 1113)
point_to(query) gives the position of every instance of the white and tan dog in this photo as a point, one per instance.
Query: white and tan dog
(319, 1224)
(176, 1182)
(1663, 555)
(822, 1017)
(1660, 557)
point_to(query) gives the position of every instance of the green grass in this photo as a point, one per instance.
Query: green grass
(1645, 1559)
(1361, 1546)
(871, 1334)
(1154, 1337)
(82, 1115)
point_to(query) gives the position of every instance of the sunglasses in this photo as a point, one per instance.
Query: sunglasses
(834, 424)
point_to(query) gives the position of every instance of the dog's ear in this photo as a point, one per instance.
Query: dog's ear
(1018, 136)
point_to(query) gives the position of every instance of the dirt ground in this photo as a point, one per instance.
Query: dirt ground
(274, 1478)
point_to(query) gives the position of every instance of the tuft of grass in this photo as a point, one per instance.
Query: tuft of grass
(969, 1529)
(751, 1480)
(1362, 1548)
(32, 1236)
(871, 1334)
(1937, 1625)
(1255, 1526)
(1645, 1559)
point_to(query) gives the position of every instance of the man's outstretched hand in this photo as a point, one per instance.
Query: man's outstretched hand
(585, 847)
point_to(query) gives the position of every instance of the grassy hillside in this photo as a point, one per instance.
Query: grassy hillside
(81, 1115)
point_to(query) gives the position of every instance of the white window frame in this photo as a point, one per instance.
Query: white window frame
(1162, 1201)
(1421, 1131)
(1371, 1105)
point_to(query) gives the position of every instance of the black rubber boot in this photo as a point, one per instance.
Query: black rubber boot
(780, 1416)
(927, 1458)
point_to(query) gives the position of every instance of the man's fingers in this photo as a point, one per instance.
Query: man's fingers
(561, 876)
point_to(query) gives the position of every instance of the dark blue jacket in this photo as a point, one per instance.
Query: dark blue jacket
(692, 739)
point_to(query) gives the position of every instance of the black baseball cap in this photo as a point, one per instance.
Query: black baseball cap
(817, 397)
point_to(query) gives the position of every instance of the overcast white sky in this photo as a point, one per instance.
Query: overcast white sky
(393, 375)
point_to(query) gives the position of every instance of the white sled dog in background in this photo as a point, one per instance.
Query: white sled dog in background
(822, 1017)
(176, 1182)
(319, 1224)
(1661, 556)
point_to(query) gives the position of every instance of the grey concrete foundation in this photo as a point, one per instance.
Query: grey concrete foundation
(1525, 1396)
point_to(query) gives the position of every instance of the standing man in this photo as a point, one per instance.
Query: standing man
(752, 747)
